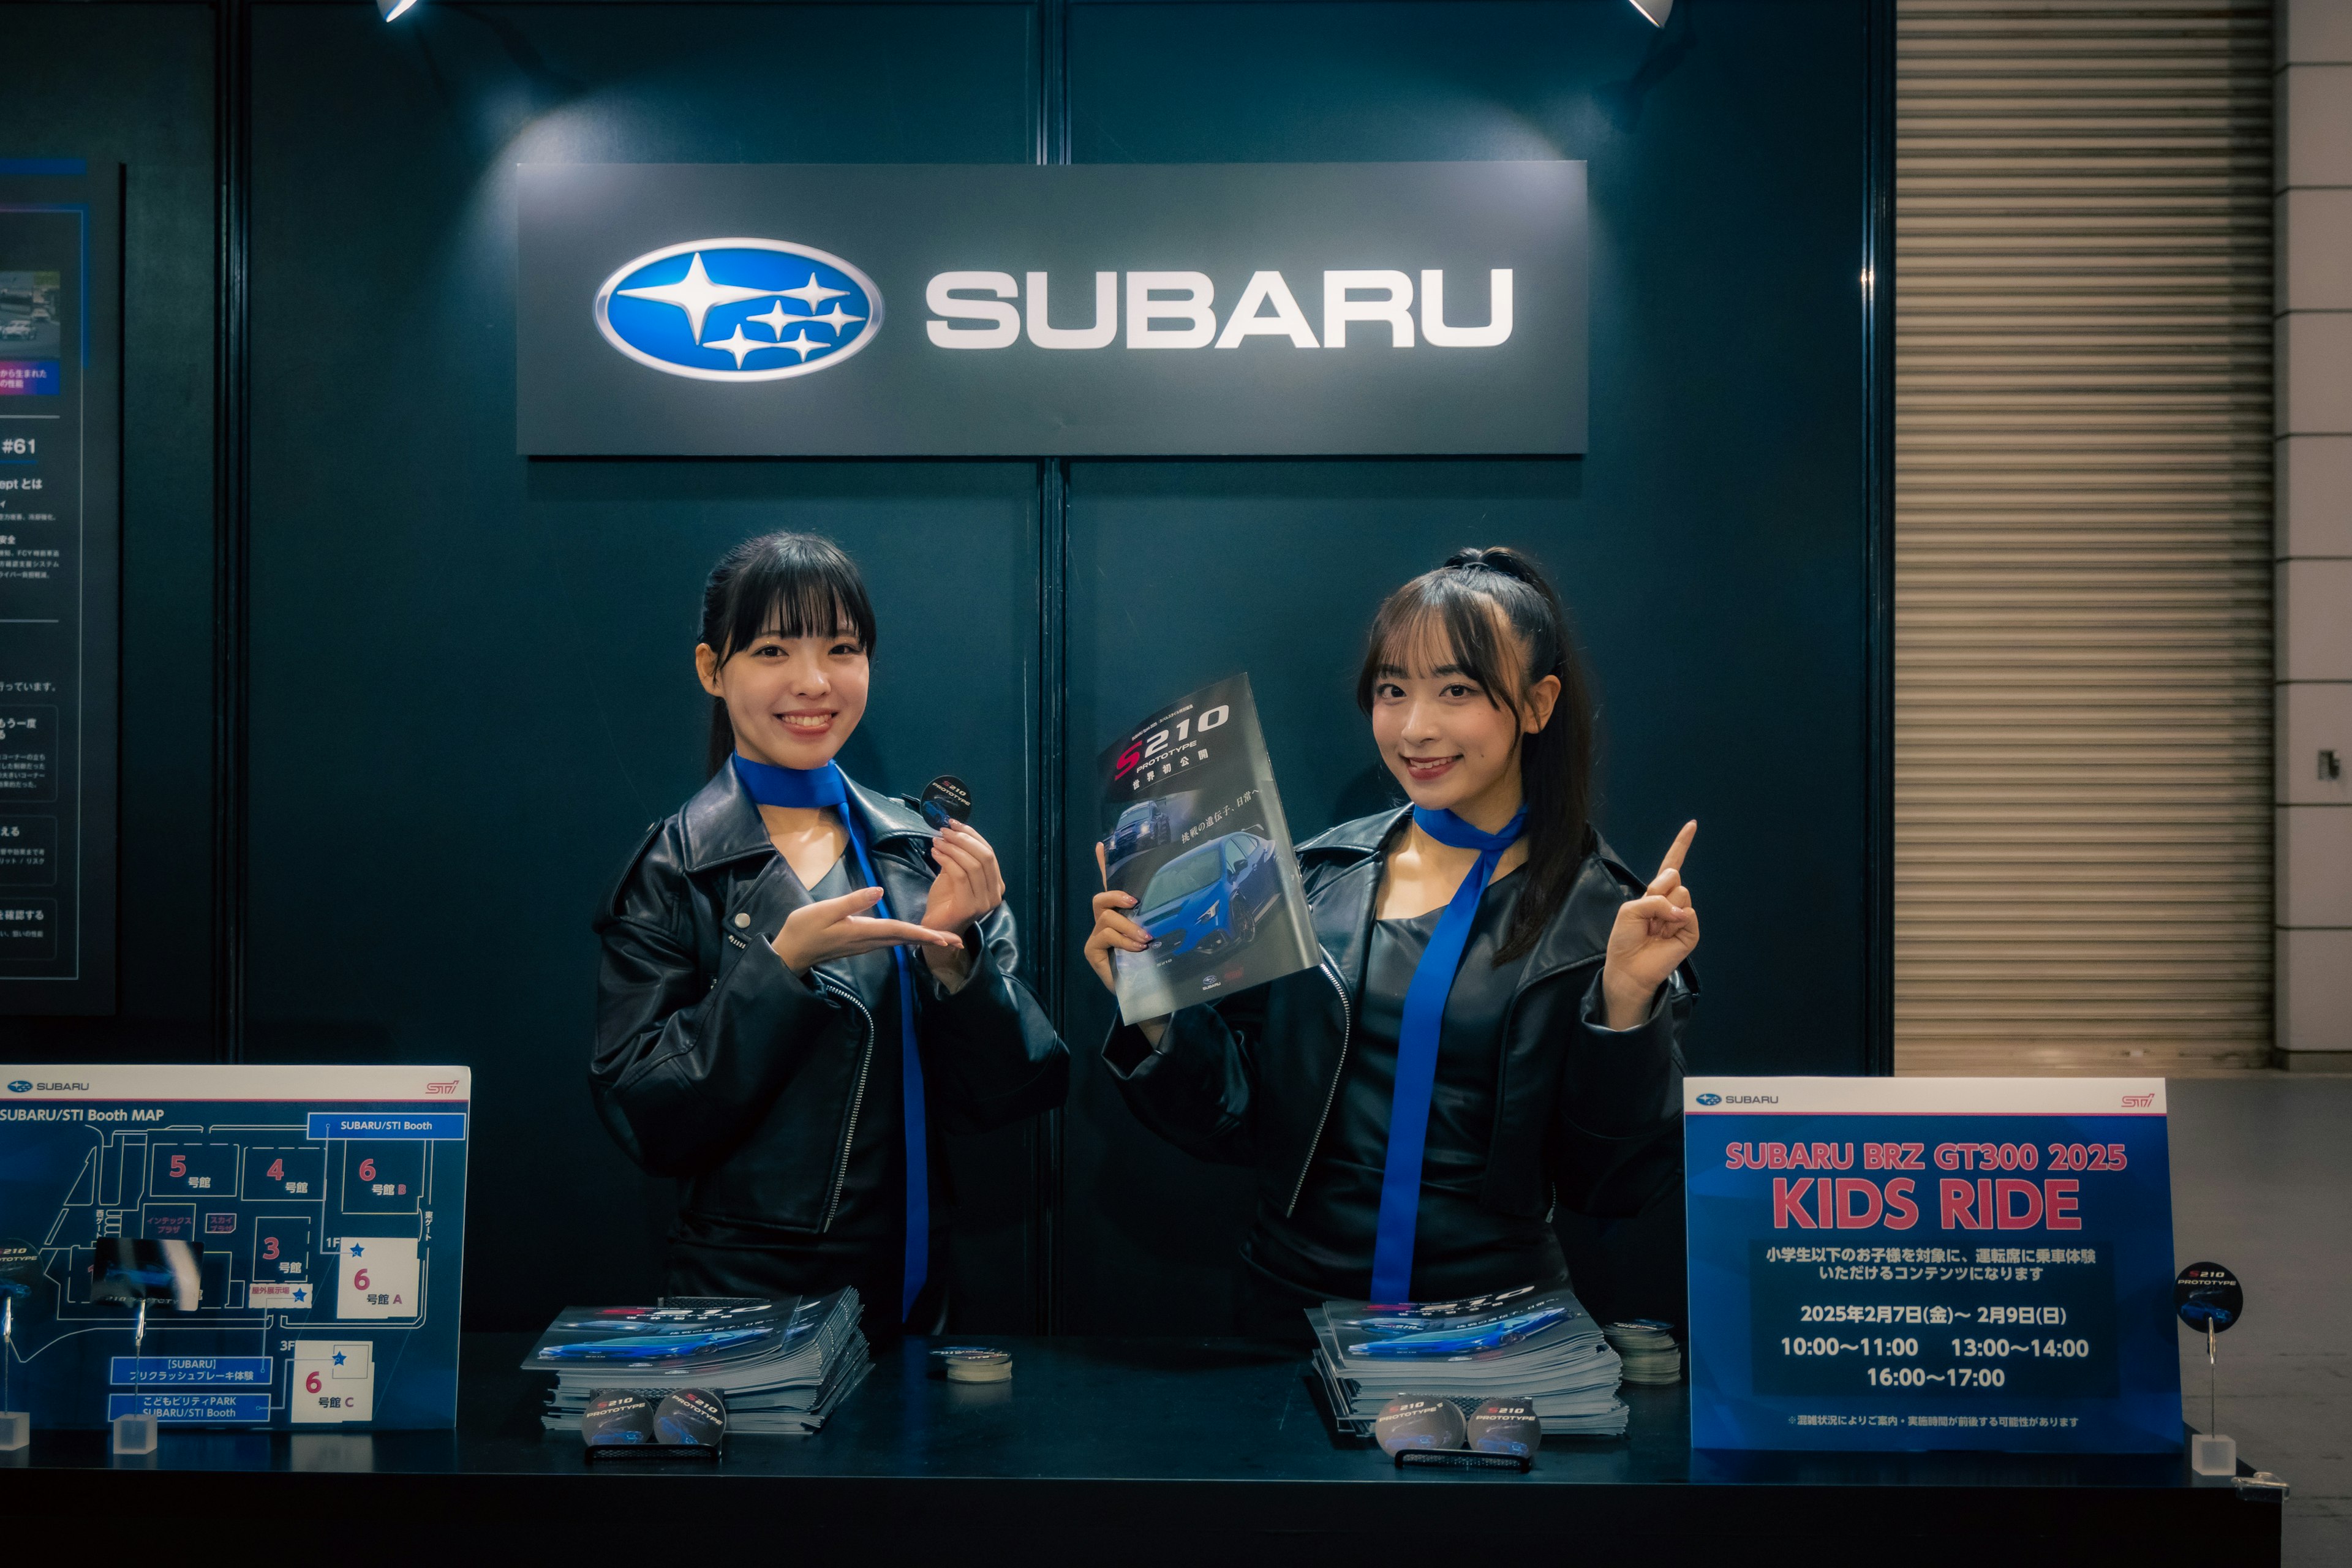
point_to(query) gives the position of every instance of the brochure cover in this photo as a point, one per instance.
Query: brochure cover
(1194, 829)
(675, 1341)
(1481, 1327)
(1542, 1346)
(781, 1366)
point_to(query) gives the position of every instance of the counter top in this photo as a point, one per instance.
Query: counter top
(1178, 1445)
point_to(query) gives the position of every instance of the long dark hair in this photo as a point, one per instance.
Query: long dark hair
(1467, 602)
(794, 585)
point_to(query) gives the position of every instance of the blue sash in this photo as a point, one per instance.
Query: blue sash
(772, 785)
(1417, 1061)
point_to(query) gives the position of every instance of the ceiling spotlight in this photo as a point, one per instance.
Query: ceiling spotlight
(393, 10)
(1657, 11)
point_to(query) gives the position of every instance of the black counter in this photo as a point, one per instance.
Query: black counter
(1137, 1451)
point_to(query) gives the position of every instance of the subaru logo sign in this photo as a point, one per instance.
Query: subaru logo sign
(739, 309)
(1710, 1098)
(20, 1087)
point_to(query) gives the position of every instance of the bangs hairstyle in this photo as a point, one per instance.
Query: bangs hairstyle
(1457, 615)
(793, 584)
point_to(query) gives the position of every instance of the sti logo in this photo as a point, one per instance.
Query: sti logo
(20, 1087)
(739, 309)
(450, 1087)
(1711, 1097)
(2139, 1101)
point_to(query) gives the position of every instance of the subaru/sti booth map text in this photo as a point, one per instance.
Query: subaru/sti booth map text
(326, 1207)
(1931, 1263)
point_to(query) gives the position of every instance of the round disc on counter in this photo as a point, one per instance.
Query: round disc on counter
(1418, 1421)
(695, 1416)
(1506, 1425)
(618, 1415)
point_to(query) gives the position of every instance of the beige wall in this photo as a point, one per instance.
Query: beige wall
(2314, 217)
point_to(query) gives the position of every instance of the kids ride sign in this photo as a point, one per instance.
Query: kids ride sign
(1885, 1263)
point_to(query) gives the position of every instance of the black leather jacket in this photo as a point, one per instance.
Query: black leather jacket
(1584, 1115)
(715, 1064)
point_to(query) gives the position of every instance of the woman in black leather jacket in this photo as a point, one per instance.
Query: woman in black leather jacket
(1495, 1024)
(767, 1033)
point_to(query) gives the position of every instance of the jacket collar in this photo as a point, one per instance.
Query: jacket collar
(1349, 855)
(722, 822)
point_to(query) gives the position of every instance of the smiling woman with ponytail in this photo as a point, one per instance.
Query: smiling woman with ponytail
(1495, 1026)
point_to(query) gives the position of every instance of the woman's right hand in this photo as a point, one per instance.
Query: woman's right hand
(1114, 929)
(840, 928)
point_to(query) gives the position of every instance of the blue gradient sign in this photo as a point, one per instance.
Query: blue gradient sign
(1931, 1263)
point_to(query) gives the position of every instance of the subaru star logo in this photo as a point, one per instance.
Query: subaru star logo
(739, 309)
(20, 1087)
(1710, 1098)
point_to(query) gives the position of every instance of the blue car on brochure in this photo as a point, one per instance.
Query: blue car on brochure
(1211, 899)
(653, 1347)
(1455, 1340)
(1143, 826)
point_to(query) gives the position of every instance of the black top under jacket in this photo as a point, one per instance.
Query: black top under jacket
(775, 1098)
(1573, 1112)
(1323, 1248)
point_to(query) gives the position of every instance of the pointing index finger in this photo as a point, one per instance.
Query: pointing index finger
(1680, 847)
(899, 934)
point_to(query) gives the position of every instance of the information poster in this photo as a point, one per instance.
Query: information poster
(59, 534)
(1884, 1263)
(325, 1208)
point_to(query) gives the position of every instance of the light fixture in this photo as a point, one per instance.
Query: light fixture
(1657, 11)
(393, 10)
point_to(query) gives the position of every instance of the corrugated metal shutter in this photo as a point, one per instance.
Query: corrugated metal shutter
(2083, 536)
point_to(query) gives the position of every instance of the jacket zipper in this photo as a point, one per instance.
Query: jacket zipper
(1347, 1023)
(857, 1103)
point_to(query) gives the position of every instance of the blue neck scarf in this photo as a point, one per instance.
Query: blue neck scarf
(1416, 1064)
(772, 785)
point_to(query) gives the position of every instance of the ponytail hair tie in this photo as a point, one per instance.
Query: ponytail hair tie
(1499, 559)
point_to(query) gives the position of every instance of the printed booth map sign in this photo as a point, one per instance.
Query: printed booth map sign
(1931, 1263)
(322, 1209)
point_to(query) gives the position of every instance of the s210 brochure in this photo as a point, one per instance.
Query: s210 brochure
(1192, 827)
(1540, 1344)
(781, 1365)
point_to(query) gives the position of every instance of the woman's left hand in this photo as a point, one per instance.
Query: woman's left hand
(1653, 935)
(968, 885)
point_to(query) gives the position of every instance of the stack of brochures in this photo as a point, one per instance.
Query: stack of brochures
(781, 1366)
(1541, 1344)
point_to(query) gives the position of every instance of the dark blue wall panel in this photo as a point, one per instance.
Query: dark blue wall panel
(472, 682)
(468, 678)
(1711, 543)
